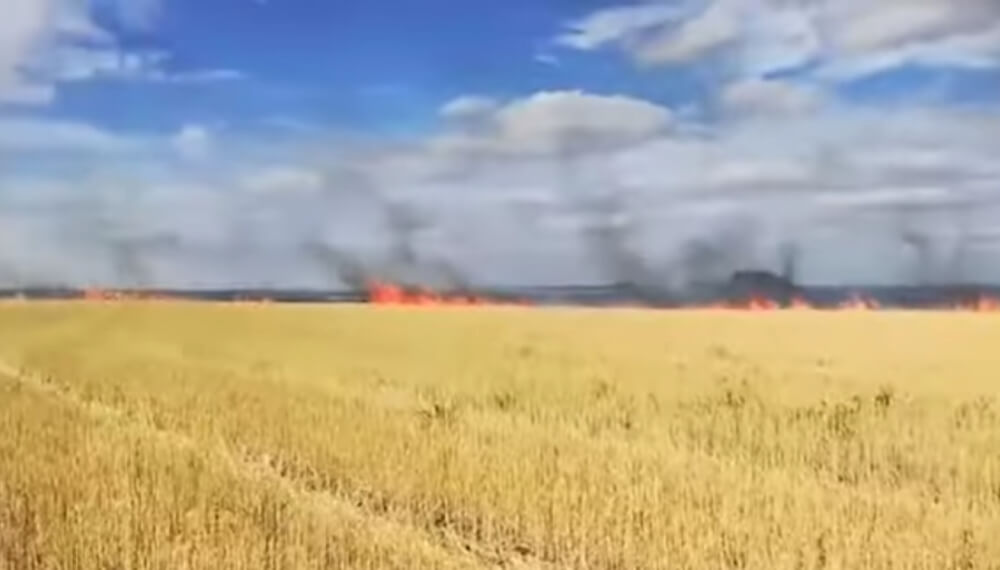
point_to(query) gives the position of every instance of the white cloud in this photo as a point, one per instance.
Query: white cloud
(193, 142)
(137, 14)
(27, 94)
(40, 46)
(715, 27)
(979, 50)
(505, 198)
(864, 27)
(770, 96)
(614, 24)
(851, 37)
(46, 135)
(837, 173)
(198, 76)
(549, 121)
(68, 63)
(75, 63)
(544, 123)
(23, 24)
(783, 37)
(754, 172)
(547, 59)
(284, 180)
(468, 106)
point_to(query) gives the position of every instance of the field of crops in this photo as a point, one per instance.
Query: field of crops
(176, 435)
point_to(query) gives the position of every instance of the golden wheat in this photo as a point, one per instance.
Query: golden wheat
(139, 436)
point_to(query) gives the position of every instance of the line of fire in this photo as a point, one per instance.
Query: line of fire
(745, 291)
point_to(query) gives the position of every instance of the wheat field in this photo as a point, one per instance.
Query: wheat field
(176, 435)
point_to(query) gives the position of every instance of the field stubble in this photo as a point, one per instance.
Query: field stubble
(138, 436)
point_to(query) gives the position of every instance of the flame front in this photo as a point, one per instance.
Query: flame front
(391, 294)
(981, 304)
(860, 303)
(380, 293)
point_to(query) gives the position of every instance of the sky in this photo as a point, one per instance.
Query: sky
(301, 143)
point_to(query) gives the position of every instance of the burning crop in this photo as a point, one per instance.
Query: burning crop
(387, 294)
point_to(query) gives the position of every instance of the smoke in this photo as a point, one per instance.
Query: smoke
(612, 226)
(789, 253)
(608, 231)
(719, 251)
(339, 266)
(131, 257)
(684, 258)
(108, 226)
(935, 257)
(355, 232)
(9, 275)
(396, 225)
(662, 217)
(404, 225)
(608, 227)
(921, 248)
(407, 262)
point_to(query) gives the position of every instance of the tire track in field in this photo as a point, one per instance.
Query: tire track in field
(448, 544)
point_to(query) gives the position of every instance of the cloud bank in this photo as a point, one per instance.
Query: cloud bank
(559, 185)
(45, 43)
(844, 38)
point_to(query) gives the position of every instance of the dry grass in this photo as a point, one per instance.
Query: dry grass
(198, 436)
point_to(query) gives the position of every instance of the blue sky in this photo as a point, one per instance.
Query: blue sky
(369, 65)
(215, 142)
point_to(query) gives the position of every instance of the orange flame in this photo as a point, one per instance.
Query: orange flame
(389, 294)
(756, 303)
(380, 293)
(800, 304)
(860, 303)
(981, 304)
(107, 295)
(762, 304)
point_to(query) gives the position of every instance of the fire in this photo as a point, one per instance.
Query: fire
(860, 303)
(981, 304)
(751, 304)
(380, 293)
(762, 304)
(97, 294)
(252, 300)
(391, 294)
(800, 304)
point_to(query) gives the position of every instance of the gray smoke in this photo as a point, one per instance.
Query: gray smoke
(608, 232)
(608, 226)
(339, 266)
(682, 265)
(131, 257)
(789, 253)
(398, 225)
(932, 261)
(129, 247)
(921, 249)
(404, 225)
(718, 252)
(10, 275)
(406, 262)
(611, 226)
(937, 240)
